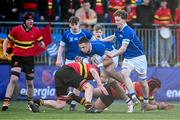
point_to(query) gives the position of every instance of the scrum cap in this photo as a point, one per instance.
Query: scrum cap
(27, 16)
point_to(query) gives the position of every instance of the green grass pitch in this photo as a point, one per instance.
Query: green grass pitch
(18, 111)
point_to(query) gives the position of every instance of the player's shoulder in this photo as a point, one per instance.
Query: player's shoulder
(17, 27)
(67, 31)
(85, 31)
(128, 30)
(35, 28)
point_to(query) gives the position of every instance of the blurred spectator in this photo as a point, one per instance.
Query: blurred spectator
(48, 10)
(9, 10)
(145, 14)
(30, 6)
(113, 6)
(101, 9)
(172, 5)
(68, 8)
(131, 10)
(163, 18)
(177, 21)
(86, 15)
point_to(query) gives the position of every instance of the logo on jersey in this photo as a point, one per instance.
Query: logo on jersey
(71, 39)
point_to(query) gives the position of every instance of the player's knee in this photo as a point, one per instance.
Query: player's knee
(29, 77)
(14, 76)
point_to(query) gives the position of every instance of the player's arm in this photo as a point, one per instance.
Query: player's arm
(59, 55)
(5, 43)
(120, 51)
(96, 77)
(108, 39)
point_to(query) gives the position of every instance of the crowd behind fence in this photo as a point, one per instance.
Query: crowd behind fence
(148, 36)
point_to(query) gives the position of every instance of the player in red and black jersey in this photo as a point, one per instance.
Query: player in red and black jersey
(154, 85)
(103, 101)
(23, 36)
(74, 75)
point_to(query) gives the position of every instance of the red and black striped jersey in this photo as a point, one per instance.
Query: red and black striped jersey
(24, 40)
(83, 69)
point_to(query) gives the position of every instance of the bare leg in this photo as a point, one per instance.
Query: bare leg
(57, 104)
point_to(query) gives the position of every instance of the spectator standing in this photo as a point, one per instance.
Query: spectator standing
(177, 21)
(86, 15)
(68, 8)
(113, 6)
(101, 9)
(48, 10)
(145, 14)
(163, 18)
(131, 10)
(29, 6)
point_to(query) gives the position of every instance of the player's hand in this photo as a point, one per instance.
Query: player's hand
(42, 44)
(164, 106)
(78, 59)
(58, 63)
(5, 55)
(104, 91)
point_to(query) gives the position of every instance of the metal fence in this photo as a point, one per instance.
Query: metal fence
(148, 36)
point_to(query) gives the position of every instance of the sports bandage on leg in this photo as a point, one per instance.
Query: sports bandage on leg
(17, 74)
(29, 77)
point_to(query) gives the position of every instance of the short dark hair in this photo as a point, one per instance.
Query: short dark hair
(83, 40)
(121, 13)
(97, 27)
(28, 15)
(74, 20)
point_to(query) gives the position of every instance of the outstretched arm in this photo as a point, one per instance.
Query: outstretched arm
(120, 51)
(98, 80)
(108, 39)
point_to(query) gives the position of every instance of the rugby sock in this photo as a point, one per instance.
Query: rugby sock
(6, 101)
(133, 95)
(128, 100)
(146, 100)
(82, 101)
(29, 99)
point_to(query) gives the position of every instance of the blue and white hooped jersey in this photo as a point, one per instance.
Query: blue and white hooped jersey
(97, 47)
(70, 40)
(127, 35)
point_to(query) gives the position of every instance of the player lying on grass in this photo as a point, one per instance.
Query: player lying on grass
(75, 75)
(102, 102)
(154, 85)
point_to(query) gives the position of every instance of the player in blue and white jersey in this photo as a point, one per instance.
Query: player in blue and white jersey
(70, 41)
(133, 53)
(91, 48)
(98, 35)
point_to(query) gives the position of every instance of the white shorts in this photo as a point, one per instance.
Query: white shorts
(139, 64)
